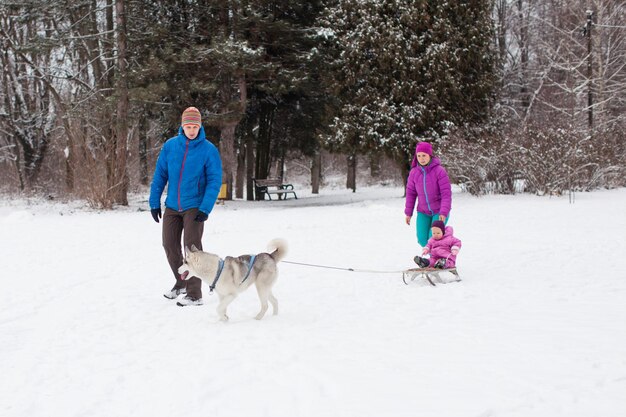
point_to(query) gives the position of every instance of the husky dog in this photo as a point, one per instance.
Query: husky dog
(234, 275)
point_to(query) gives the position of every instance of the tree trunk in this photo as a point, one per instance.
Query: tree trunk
(351, 180)
(120, 177)
(33, 152)
(143, 152)
(249, 166)
(403, 168)
(280, 172)
(110, 27)
(589, 70)
(316, 172)
(20, 177)
(227, 152)
(263, 155)
(241, 170)
(69, 164)
(502, 27)
(375, 164)
(523, 22)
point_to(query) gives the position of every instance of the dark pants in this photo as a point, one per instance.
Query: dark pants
(174, 224)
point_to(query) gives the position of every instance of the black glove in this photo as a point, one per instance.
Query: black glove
(201, 216)
(156, 214)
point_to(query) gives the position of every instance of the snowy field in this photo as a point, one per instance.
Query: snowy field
(537, 327)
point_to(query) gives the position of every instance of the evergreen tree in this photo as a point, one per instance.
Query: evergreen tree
(407, 70)
(287, 105)
(247, 61)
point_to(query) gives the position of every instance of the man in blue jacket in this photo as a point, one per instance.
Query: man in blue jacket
(191, 167)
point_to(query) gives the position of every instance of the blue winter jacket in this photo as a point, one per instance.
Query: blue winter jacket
(193, 171)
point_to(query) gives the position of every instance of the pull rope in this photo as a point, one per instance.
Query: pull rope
(343, 269)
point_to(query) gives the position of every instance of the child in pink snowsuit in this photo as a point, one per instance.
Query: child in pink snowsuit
(442, 247)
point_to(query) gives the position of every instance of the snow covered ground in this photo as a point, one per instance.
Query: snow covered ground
(537, 327)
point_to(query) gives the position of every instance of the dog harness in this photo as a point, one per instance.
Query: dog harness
(220, 268)
(252, 258)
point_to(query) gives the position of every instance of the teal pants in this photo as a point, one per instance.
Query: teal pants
(422, 227)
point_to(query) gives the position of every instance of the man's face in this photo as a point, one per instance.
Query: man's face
(191, 130)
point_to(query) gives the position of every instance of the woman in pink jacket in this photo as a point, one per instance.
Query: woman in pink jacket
(428, 183)
(442, 247)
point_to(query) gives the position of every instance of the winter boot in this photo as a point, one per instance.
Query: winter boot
(175, 292)
(421, 262)
(440, 264)
(189, 301)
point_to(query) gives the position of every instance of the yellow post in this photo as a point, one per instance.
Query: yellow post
(222, 195)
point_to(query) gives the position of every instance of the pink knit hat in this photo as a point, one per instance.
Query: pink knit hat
(191, 116)
(425, 147)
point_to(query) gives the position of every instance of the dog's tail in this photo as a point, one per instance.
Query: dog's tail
(277, 249)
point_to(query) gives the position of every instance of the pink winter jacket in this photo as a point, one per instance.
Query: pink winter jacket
(442, 248)
(430, 186)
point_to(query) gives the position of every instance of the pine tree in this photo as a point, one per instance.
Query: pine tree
(244, 62)
(408, 70)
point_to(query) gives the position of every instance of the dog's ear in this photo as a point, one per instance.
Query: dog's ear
(186, 250)
(193, 248)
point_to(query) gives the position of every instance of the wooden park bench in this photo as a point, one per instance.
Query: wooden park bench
(271, 186)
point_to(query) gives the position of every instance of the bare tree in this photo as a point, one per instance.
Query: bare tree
(27, 110)
(567, 57)
(119, 180)
(64, 66)
(561, 105)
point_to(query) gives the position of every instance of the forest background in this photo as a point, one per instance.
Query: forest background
(515, 95)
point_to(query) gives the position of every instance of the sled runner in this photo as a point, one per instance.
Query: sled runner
(433, 276)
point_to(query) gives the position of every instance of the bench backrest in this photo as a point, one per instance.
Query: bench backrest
(269, 182)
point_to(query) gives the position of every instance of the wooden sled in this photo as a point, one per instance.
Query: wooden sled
(431, 275)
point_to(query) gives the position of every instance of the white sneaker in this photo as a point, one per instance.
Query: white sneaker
(175, 292)
(188, 301)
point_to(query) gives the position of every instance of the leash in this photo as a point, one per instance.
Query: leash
(343, 269)
(253, 258)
